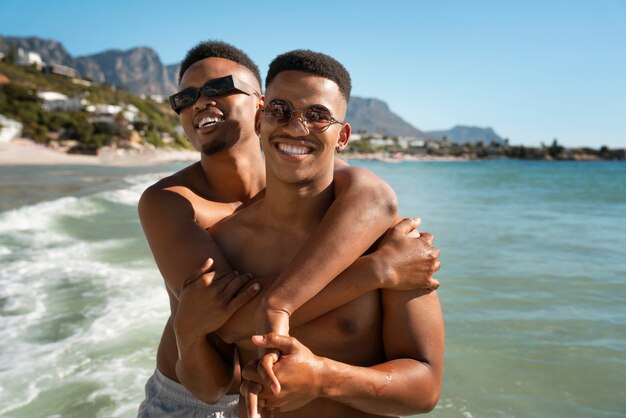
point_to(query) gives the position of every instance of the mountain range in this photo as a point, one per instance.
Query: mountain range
(140, 71)
(463, 134)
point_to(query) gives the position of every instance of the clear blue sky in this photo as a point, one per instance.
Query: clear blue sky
(532, 70)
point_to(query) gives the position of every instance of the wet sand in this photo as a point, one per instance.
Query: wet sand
(27, 152)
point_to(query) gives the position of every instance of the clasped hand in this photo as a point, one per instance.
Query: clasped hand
(297, 369)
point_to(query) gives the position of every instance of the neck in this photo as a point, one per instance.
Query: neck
(237, 174)
(296, 206)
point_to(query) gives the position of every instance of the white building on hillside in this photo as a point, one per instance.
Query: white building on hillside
(381, 142)
(59, 69)
(54, 101)
(9, 130)
(28, 58)
(131, 113)
(103, 113)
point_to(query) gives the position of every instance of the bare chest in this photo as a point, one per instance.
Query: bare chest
(259, 251)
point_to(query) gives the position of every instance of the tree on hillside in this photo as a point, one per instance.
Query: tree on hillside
(11, 57)
(555, 149)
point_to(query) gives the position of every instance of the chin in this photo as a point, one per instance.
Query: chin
(214, 147)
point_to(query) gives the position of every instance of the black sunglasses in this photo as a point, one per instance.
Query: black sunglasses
(215, 87)
(316, 118)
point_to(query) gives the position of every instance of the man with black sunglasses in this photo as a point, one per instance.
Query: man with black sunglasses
(219, 99)
(378, 354)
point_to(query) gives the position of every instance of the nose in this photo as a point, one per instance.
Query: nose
(299, 126)
(202, 102)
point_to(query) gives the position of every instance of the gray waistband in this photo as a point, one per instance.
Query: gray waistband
(180, 394)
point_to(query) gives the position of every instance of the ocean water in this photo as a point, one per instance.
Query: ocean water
(533, 286)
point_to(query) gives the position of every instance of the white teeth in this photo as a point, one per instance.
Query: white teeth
(294, 149)
(208, 121)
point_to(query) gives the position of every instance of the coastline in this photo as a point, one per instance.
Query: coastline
(24, 151)
(399, 157)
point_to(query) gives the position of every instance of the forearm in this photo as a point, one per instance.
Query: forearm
(362, 277)
(202, 369)
(365, 275)
(397, 387)
(362, 211)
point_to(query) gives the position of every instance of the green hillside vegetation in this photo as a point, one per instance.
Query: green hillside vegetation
(19, 101)
(478, 150)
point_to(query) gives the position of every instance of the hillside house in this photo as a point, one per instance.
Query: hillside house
(54, 101)
(131, 113)
(382, 142)
(107, 113)
(60, 70)
(9, 129)
(103, 113)
(29, 58)
(406, 142)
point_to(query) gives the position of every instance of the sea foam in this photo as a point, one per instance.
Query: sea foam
(89, 321)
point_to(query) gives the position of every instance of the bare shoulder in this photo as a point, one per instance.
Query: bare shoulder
(344, 170)
(187, 180)
(183, 194)
(354, 177)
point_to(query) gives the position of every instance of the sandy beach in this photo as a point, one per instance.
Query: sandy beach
(27, 152)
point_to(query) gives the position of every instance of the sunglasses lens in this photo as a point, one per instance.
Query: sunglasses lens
(278, 112)
(318, 117)
(184, 98)
(217, 87)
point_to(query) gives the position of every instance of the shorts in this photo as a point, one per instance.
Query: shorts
(167, 398)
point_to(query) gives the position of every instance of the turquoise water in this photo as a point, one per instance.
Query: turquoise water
(533, 286)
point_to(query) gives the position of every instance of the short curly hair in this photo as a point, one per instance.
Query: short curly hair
(217, 49)
(314, 63)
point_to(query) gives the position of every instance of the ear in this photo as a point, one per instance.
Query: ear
(258, 116)
(344, 137)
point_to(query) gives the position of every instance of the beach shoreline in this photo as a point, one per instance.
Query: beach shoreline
(400, 157)
(24, 151)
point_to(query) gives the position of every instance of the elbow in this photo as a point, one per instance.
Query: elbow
(430, 403)
(378, 193)
(209, 393)
(389, 201)
(427, 400)
(425, 394)
(211, 398)
(382, 196)
(385, 203)
(421, 403)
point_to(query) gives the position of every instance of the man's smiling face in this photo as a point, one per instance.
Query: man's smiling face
(293, 153)
(213, 124)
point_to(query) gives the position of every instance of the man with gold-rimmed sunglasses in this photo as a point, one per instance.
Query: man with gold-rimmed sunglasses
(379, 354)
(218, 101)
